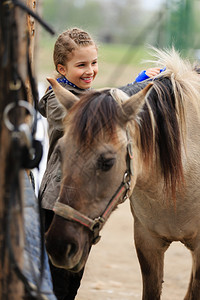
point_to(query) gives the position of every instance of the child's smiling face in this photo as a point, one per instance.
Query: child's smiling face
(82, 67)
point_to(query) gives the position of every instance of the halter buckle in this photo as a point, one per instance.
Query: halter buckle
(127, 185)
(96, 227)
(97, 224)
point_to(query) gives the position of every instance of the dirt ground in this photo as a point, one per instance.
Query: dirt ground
(113, 272)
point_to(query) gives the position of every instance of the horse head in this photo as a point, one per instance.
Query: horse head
(97, 169)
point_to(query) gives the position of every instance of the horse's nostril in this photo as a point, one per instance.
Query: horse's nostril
(71, 250)
(69, 247)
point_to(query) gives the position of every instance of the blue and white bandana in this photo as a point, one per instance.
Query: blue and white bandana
(63, 79)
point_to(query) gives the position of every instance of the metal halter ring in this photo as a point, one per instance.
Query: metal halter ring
(10, 106)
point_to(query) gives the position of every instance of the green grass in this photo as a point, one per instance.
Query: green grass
(110, 53)
(122, 54)
(116, 61)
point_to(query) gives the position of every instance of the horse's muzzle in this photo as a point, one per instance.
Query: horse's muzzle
(67, 244)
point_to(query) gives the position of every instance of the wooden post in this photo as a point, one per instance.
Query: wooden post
(13, 23)
(32, 34)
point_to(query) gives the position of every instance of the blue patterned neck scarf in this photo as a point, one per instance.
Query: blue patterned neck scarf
(63, 79)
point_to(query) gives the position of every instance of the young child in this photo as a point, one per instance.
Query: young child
(76, 60)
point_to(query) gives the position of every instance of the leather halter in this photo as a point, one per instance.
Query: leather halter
(95, 225)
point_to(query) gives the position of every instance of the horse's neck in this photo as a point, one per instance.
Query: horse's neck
(133, 88)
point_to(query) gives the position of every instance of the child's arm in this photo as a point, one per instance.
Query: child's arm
(146, 74)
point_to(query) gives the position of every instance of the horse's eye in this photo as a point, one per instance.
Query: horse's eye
(105, 164)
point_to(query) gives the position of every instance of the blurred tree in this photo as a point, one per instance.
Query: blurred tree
(162, 23)
(180, 24)
(121, 19)
(79, 13)
(110, 20)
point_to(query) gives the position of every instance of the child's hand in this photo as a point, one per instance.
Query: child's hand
(152, 72)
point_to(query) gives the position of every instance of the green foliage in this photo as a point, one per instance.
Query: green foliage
(125, 25)
(127, 21)
(119, 21)
(180, 26)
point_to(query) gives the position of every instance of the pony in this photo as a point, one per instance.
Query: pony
(140, 142)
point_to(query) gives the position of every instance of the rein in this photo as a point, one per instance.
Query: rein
(95, 225)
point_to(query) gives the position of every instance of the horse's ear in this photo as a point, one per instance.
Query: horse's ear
(132, 106)
(118, 95)
(66, 98)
